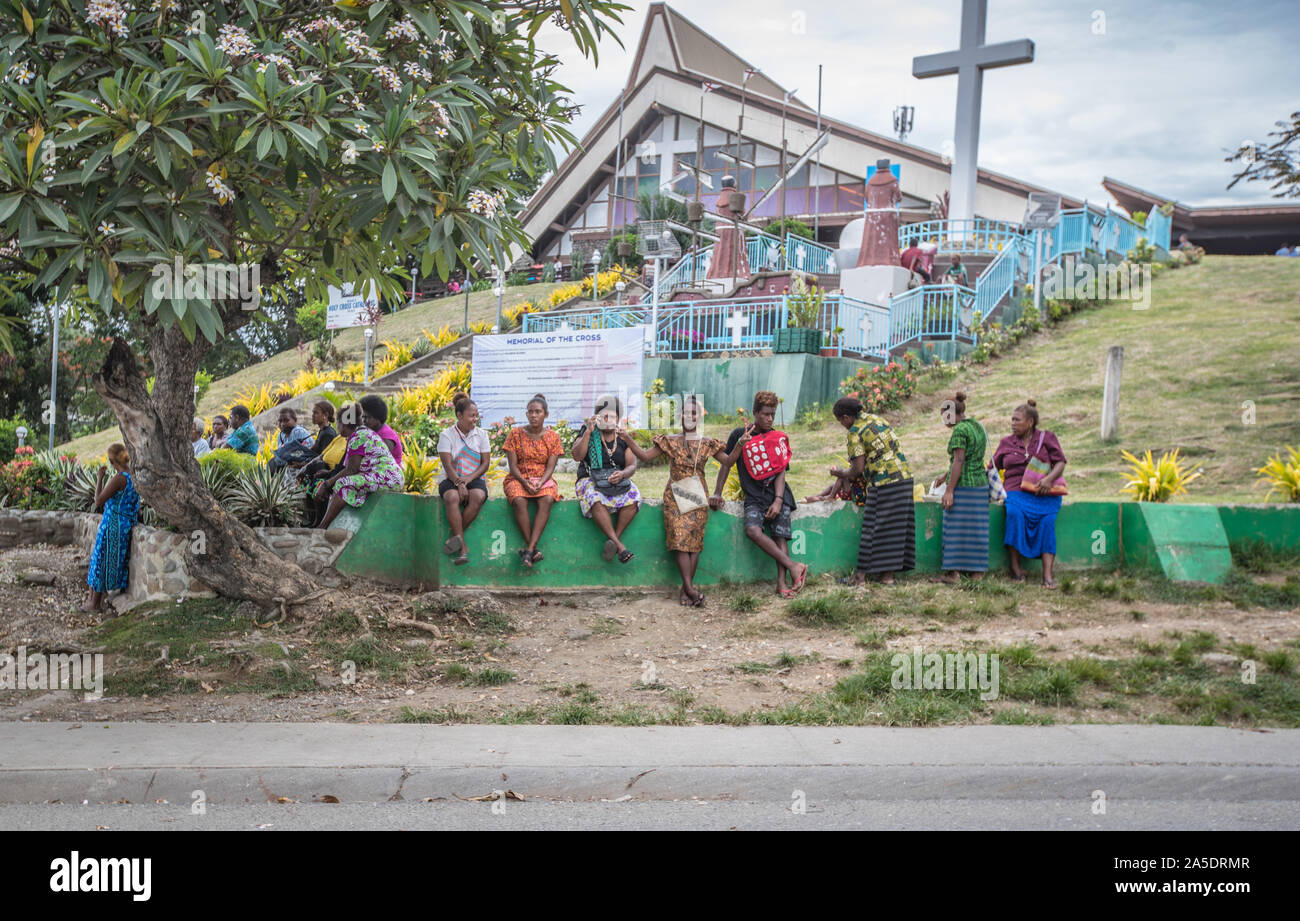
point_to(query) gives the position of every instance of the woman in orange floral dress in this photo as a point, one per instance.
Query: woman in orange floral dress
(532, 452)
(686, 497)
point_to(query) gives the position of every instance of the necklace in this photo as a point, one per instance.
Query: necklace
(695, 461)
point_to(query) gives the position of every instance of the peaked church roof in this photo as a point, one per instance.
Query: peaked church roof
(691, 50)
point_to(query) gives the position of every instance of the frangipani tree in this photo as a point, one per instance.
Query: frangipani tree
(166, 158)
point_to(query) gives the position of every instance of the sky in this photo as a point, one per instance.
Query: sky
(1152, 92)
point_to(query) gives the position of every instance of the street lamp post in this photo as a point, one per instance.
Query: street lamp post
(595, 274)
(54, 373)
(499, 291)
(21, 432)
(620, 286)
(370, 338)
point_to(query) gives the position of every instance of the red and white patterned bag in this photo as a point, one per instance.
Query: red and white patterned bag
(767, 455)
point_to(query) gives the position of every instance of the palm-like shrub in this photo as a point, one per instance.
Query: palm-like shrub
(1283, 475)
(260, 498)
(1156, 480)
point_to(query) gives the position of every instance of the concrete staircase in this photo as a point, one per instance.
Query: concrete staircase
(424, 369)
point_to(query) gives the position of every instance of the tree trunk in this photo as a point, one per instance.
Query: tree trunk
(223, 552)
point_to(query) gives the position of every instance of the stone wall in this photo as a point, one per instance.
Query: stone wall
(18, 527)
(158, 568)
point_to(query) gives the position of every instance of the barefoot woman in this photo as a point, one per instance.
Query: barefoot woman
(686, 503)
(112, 553)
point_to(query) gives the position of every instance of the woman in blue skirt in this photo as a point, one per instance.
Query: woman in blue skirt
(112, 553)
(1031, 515)
(966, 500)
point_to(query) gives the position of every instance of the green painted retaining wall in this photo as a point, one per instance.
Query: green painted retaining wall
(801, 380)
(399, 539)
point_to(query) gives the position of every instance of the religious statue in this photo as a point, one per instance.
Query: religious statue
(730, 259)
(880, 232)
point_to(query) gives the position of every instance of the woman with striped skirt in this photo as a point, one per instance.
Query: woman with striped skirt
(879, 480)
(966, 500)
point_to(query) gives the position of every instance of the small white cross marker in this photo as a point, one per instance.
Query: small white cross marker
(736, 323)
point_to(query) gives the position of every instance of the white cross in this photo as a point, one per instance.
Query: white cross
(969, 62)
(736, 323)
(866, 331)
(564, 327)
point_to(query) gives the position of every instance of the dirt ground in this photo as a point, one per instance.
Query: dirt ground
(628, 652)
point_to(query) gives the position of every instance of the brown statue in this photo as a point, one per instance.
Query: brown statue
(880, 230)
(730, 258)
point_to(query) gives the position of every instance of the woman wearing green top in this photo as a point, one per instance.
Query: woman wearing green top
(966, 500)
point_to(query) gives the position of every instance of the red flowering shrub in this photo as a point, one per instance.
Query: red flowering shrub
(883, 387)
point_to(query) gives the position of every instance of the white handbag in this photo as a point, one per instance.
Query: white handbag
(689, 494)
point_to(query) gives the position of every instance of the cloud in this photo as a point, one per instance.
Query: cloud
(1153, 93)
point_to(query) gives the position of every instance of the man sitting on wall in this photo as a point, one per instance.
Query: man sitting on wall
(244, 437)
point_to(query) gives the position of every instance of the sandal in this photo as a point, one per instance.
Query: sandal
(626, 556)
(685, 602)
(462, 559)
(453, 545)
(1051, 586)
(609, 551)
(699, 602)
(537, 556)
(526, 557)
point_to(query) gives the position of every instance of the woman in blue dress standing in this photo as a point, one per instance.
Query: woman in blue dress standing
(112, 553)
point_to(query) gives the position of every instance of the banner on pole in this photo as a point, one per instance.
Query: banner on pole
(571, 367)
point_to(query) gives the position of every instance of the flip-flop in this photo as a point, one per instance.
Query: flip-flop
(609, 551)
(699, 602)
(526, 558)
(799, 582)
(1051, 586)
(462, 559)
(453, 545)
(785, 592)
(685, 602)
(626, 556)
(537, 556)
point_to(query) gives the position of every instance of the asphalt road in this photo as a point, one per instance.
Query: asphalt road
(273, 777)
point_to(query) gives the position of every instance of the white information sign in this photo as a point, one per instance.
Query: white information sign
(346, 309)
(571, 367)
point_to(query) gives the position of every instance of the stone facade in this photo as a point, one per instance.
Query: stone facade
(158, 569)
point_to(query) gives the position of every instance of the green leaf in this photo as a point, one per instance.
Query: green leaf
(123, 143)
(389, 181)
(180, 139)
(67, 65)
(264, 142)
(9, 204)
(163, 156)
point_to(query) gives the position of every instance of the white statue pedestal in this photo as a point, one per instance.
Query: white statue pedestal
(874, 283)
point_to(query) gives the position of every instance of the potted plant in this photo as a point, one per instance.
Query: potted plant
(804, 309)
(829, 349)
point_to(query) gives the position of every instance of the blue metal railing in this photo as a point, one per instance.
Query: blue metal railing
(810, 256)
(977, 237)
(1158, 229)
(999, 277)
